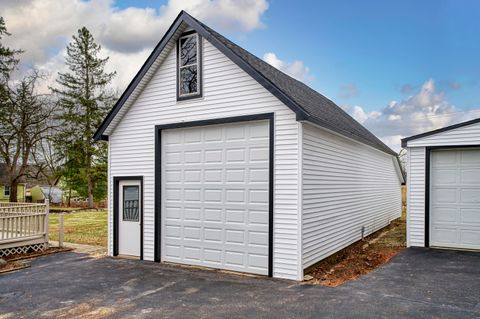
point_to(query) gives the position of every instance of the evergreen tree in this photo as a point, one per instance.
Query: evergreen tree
(8, 56)
(84, 100)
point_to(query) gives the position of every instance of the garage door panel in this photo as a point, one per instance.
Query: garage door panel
(470, 157)
(173, 194)
(258, 154)
(455, 198)
(172, 251)
(215, 196)
(257, 261)
(445, 195)
(173, 231)
(470, 195)
(192, 253)
(445, 176)
(257, 238)
(470, 176)
(173, 157)
(235, 133)
(470, 238)
(470, 216)
(212, 214)
(258, 131)
(445, 215)
(446, 158)
(175, 213)
(445, 235)
(257, 217)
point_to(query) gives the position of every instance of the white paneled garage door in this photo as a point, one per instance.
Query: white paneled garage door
(215, 196)
(455, 198)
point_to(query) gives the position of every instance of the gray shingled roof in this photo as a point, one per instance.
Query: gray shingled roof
(322, 110)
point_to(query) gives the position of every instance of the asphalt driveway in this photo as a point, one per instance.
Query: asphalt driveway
(417, 283)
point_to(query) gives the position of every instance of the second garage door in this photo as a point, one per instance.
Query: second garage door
(455, 198)
(215, 196)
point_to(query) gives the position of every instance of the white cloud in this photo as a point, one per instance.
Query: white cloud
(295, 69)
(426, 110)
(360, 115)
(43, 28)
(394, 117)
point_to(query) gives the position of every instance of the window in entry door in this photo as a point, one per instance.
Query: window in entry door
(131, 203)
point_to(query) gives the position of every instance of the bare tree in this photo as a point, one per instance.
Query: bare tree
(25, 119)
(48, 159)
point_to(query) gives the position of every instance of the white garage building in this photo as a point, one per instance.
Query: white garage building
(218, 159)
(443, 182)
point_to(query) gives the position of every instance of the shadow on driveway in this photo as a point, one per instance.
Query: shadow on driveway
(418, 283)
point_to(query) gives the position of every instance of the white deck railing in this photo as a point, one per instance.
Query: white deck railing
(23, 226)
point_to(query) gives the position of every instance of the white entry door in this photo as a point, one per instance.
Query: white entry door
(215, 196)
(129, 210)
(455, 198)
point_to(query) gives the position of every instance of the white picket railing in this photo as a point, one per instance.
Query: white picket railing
(23, 226)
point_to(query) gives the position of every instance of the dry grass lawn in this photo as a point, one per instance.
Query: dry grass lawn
(84, 227)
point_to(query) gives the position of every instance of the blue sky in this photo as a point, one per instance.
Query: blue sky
(384, 49)
(398, 67)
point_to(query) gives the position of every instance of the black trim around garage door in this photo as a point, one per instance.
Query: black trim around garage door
(158, 173)
(428, 151)
(116, 182)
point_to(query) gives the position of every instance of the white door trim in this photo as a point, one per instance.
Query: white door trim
(116, 212)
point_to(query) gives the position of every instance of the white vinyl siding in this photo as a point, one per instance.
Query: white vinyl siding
(227, 92)
(416, 197)
(346, 186)
(466, 135)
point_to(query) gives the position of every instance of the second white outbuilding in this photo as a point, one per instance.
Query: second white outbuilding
(443, 182)
(218, 159)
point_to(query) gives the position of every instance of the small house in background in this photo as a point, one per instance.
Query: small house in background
(5, 192)
(5, 187)
(39, 193)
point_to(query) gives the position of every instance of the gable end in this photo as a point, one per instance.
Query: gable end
(437, 131)
(183, 17)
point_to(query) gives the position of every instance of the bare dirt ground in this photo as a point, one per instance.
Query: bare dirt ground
(361, 257)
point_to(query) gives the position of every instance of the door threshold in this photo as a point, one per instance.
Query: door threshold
(206, 268)
(128, 257)
(470, 250)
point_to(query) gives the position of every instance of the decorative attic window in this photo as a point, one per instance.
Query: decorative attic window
(189, 66)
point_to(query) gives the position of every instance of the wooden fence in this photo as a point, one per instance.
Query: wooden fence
(23, 227)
